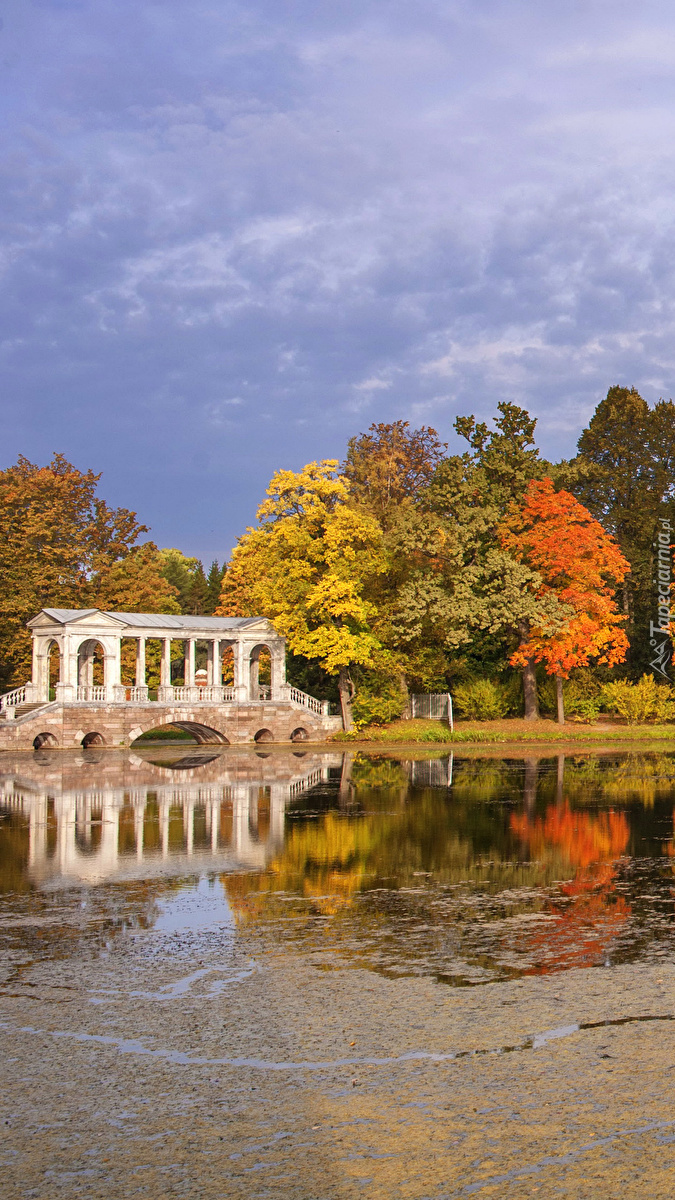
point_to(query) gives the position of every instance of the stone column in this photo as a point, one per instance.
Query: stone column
(112, 666)
(217, 663)
(254, 676)
(165, 664)
(240, 654)
(278, 676)
(189, 662)
(65, 688)
(140, 662)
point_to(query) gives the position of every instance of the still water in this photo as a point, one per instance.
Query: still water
(466, 870)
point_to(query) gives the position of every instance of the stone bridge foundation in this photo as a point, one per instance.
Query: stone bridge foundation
(97, 723)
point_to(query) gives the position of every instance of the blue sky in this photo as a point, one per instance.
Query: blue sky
(234, 235)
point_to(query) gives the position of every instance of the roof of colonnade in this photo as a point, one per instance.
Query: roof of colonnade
(172, 623)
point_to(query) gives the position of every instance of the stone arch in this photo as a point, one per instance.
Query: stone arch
(91, 658)
(204, 735)
(260, 657)
(44, 739)
(300, 734)
(93, 739)
(53, 668)
(263, 736)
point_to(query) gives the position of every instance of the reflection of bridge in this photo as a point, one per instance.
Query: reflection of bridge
(106, 816)
(93, 706)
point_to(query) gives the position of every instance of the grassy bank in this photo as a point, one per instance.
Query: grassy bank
(514, 730)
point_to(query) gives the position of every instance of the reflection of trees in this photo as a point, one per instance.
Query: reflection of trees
(478, 864)
(591, 843)
(582, 837)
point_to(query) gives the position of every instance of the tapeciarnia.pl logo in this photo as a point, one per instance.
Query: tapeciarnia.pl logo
(659, 630)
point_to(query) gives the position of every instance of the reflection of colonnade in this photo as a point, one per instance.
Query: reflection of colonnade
(116, 832)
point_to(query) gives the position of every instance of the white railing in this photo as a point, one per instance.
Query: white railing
(316, 706)
(13, 699)
(123, 692)
(90, 692)
(265, 692)
(216, 694)
(211, 694)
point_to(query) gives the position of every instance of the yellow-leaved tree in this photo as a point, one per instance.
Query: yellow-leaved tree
(308, 567)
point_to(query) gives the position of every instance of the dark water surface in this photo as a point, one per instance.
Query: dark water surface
(465, 871)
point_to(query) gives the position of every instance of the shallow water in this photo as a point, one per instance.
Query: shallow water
(323, 976)
(466, 870)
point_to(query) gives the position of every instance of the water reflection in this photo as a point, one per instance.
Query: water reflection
(468, 871)
(103, 817)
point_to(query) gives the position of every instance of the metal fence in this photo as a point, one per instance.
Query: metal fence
(437, 705)
(431, 772)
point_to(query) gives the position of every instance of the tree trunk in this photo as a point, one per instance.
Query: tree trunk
(346, 690)
(345, 791)
(530, 783)
(560, 781)
(560, 701)
(530, 691)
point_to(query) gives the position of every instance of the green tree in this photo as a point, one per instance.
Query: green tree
(179, 571)
(214, 583)
(199, 592)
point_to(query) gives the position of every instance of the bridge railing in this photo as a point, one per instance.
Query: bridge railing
(91, 692)
(12, 700)
(307, 701)
(211, 694)
(125, 692)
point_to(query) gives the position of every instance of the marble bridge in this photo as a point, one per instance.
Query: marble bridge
(77, 645)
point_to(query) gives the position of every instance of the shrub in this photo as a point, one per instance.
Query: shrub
(582, 696)
(481, 700)
(379, 698)
(643, 701)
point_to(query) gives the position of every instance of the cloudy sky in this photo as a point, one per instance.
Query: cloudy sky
(234, 235)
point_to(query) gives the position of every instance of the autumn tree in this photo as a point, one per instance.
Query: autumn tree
(450, 585)
(624, 474)
(307, 567)
(62, 546)
(391, 465)
(579, 564)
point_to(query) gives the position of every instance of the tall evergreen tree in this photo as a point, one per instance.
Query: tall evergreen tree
(214, 583)
(199, 592)
(624, 474)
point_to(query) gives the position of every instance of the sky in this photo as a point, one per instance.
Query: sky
(234, 235)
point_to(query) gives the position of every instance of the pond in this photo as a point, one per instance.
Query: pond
(463, 869)
(297, 975)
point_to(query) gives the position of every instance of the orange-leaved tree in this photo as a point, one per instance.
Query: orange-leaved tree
(579, 563)
(62, 546)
